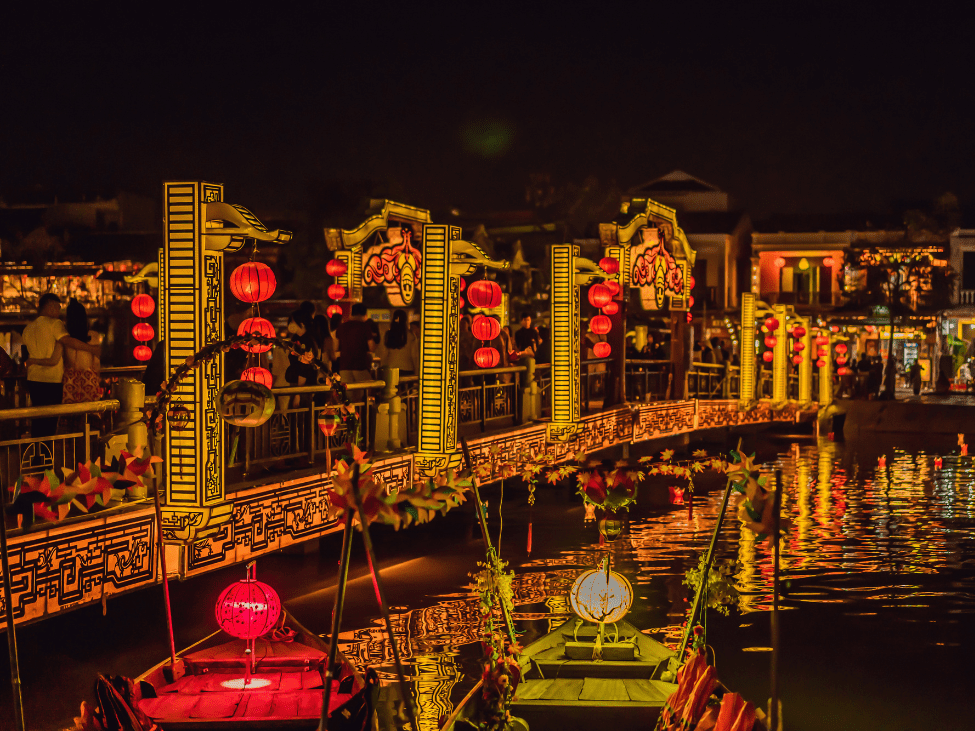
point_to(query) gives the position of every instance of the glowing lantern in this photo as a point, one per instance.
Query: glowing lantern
(333, 310)
(485, 328)
(601, 596)
(248, 609)
(822, 352)
(690, 302)
(463, 284)
(484, 294)
(461, 303)
(797, 359)
(256, 326)
(142, 352)
(613, 287)
(258, 375)
(798, 331)
(600, 324)
(871, 328)
(843, 371)
(328, 423)
(822, 340)
(772, 324)
(143, 332)
(599, 295)
(178, 417)
(610, 526)
(828, 262)
(253, 282)
(803, 264)
(767, 356)
(770, 341)
(336, 268)
(799, 347)
(602, 350)
(834, 328)
(245, 403)
(690, 317)
(487, 357)
(779, 262)
(611, 308)
(336, 291)
(143, 305)
(609, 265)
(841, 347)
(691, 282)
(821, 363)
(841, 360)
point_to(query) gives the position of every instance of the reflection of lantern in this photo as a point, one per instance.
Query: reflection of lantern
(484, 294)
(142, 352)
(602, 350)
(487, 357)
(821, 363)
(779, 262)
(143, 332)
(841, 347)
(770, 341)
(799, 346)
(599, 295)
(612, 286)
(611, 308)
(798, 331)
(485, 328)
(609, 265)
(258, 375)
(336, 268)
(610, 526)
(336, 291)
(601, 596)
(256, 326)
(143, 305)
(328, 423)
(767, 356)
(248, 609)
(797, 359)
(828, 262)
(822, 352)
(245, 403)
(333, 310)
(253, 282)
(772, 324)
(600, 324)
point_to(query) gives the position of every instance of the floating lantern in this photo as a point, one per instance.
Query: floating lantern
(609, 265)
(821, 363)
(828, 262)
(248, 609)
(779, 262)
(767, 356)
(143, 305)
(602, 350)
(612, 286)
(798, 331)
(484, 294)
(336, 268)
(256, 326)
(245, 403)
(599, 295)
(253, 282)
(770, 341)
(336, 291)
(841, 347)
(487, 357)
(601, 596)
(142, 352)
(797, 359)
(600, 324)
(333, 310)
(258, 375)
(485, 328)
(143, 332)
(611, 308)
(772, 324)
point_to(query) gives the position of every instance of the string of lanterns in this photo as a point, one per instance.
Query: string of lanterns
(254, 282)
(484, 294)
(601, 296)
(142, 307)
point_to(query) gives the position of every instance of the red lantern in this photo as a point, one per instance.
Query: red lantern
(828, 262)
(609, 265)
(336, 291)
(612, 286)
(258, 375)
(484, 294)
(797, 359)
(248, 609)
(770, 341)
(256, 326)
(142, 352)
(463, 284)
(841, 360)
(143, 332)
(328, 423)
(690, 302)
(822, 340)
(821, 363)
(333, 310)
(600, 324)
(871, 328)
(485, 328)
(779, 262)
(336, 268)
(799, 347)
(767, 356)
(690, 317)
(602, 350)
(486, 357)
(841, 347)
(143, 305)
(772, 324)
(834, 328)
(798, 331)
(611, 308)
(253, 282)
(691, 282)
(599, 295)
(843, 371)
(461, 303)
(822, 353)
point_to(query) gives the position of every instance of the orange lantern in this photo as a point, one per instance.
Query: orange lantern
(253, 282)
(143, 305)
(485, 328)
(602, 350)
(611, 308)
(256, 326)
(609, 265)
(258, 375)
(599, 295)
(336, 268)
(486, 357)
(336, 291)
(485, 295)
(828, 262)
(142, 352)
(600, 324)
(143, 332)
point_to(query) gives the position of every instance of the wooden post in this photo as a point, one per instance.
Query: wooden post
(8, 603)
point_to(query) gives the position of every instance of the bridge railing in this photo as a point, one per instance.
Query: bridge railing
(13, 388)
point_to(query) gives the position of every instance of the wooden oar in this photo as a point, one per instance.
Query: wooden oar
(11, 628)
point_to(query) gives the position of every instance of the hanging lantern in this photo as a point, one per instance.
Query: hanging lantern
(834, 328)
(821, 363)
(828, 262)
(690, 317)
(772, 324)
(611, 308)
(843, 371)
(797, 359)
(143, 332)
(822, 353)
(143, 305)
(178, 416)
(602, 350)
(612, 286)
(336, 268)
(487, 357)
(258, 375)
(779, 262)
(841, 360)
(690, 302)
(253, 282)
(601, 596)
(485, 328)
(256, 326)
(691, 282)
(770, 341)
(599, 295)
(248, 609)
(799, 347)
(600, 325)
(463, 284)
(484, 294)
(333, 310)
(142, 352)
(462, 303)
(871, 328)
(767, 356)
(798, 331)
(841, 347)
(609, 265)
(329, 423)
(336, 291)
(822, 340)
(245, 403)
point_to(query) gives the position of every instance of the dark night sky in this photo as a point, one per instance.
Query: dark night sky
(799, 111)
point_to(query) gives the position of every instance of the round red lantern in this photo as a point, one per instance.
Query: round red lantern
(821, 363)
(770, 341)
(599, 295)
(797, 359)
(690, 302)
(828, 262)
(798, 331)
(843, 371)
(779, 262)
(256, 326)
(767, 356)
(871, 328)
(799, 347)
(463, 284)
(612, 286)
(253, 282)
(822, 340)
(822, 353)
(258, 375)
(143, 305)
(486, 357)
(485, 328)
(333, 310)
(143, 332)
(336, 268)
(600, 324)
(691, 282)
(248, 609)
(841, 347)
(602, 350)
(336, 291)
(841, 360)
(142, 352)
(461, 303)
(772, 324)
(611, 308)
(484, 294)
(609, 265)
(834, 328)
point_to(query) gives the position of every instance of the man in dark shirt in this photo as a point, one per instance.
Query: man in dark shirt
(357, 340)
(527, 338)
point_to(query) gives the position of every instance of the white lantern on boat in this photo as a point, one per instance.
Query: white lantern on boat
(601, 596)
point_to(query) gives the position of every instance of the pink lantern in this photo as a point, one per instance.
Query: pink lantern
(256, 326)
(602, 350)
(258, 375)
(142, 352)
(248, 609)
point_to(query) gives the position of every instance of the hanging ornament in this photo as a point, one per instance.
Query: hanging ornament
(828, 262)
(599, 295)
(245, 403)
(841, 360)
(258, 375)
(690, 317)
(611, 308)
(336, 268)
(143, 305)
(248, 609)
(612, 286)
(178, 416)
(462, 303)
(770, 341)
(143, 332)
(484, 294)
(841, 347)
(256, 326)
(602, 350)
(691, 282)
(772, 324)
(799, 346)
(463, 284)
(487, 357)
(609, 265)
(142, 352)
(779, 262)
(329, 423)
(822, 340)
(821, 363)
(767, 356)
(798, 331)
(822, 353)
(834, 328)
(333, 310)
(797, 359)
(485, 328)
(253, 282)
(690, 302)
(336, 291)
(600, 324)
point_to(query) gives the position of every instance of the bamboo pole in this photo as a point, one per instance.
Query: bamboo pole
(18, 700)
(161, 548)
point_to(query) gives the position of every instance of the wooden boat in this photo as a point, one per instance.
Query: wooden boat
(563, 687)
(284, 692)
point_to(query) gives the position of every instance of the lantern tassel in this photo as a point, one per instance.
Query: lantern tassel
(529, 538)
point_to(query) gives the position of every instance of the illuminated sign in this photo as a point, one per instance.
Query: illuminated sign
(657, 273)
(394, 264)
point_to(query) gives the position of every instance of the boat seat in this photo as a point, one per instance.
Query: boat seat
(239, 705)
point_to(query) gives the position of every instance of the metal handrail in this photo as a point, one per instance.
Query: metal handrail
(84, 407)
(322, 388)
(707, 365)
